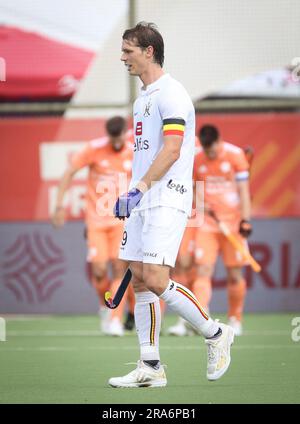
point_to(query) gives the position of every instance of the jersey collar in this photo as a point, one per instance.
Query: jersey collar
(155, 84)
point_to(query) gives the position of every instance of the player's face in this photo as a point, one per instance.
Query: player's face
(212, 151)
(134, 58)
(117, 143)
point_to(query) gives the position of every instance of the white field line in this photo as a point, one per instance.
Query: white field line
(90, 333)
(12, 317)
(135, 347)
(53, 333)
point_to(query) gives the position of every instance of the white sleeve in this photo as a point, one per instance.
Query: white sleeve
(242, 176)
(174, 103)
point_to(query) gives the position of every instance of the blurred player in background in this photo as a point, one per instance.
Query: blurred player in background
(224, 169)
(109, 160)
(185, 272)
(185, 268)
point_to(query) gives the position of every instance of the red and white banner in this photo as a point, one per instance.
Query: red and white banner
(34, 155)
(35, 152)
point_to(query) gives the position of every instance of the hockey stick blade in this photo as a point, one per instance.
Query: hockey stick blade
(113, 303)
(236, 243)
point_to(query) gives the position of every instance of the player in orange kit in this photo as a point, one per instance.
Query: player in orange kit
(185, 269)
(185, 272)
(224, 169)
(109, 160)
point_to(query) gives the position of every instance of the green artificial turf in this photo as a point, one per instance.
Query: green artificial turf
(64, 359)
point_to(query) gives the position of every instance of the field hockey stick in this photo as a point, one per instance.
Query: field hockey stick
(113, 303)
(236, 243)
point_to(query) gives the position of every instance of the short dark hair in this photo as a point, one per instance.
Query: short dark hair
(115, 126)
(208, 134)
(147, 34)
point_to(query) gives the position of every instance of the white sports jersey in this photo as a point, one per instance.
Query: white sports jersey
(164, 108)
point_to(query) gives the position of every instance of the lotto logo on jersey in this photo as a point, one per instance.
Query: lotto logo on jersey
(139, 128)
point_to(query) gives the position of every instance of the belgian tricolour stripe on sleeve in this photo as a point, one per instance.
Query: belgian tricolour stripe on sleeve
(173, 126)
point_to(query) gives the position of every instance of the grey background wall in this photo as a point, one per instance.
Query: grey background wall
(44, 270)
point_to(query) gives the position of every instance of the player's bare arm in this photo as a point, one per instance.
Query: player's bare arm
(245, 199)
(201, 205)
(58, 217)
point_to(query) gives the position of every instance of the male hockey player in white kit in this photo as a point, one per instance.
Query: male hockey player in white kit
(157, 207)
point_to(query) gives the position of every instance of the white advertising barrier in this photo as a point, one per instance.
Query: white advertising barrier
(2, 330)
(44, 270)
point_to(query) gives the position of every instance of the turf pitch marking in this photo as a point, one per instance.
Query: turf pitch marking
(96, 333)
(105, 348)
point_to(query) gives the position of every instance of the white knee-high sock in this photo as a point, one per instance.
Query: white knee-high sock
(181, 300)
(148, 322)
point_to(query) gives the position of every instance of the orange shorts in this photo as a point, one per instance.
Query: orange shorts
(188, 242)
(104, 243)
(209, 244)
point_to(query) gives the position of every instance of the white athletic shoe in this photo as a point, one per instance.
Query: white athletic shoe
(182, 328)
(218, 353)
(236, 325)
(142, 376)
(104, 315)
(179, 329)
(114, 328)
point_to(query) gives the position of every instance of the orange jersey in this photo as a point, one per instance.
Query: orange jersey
(109, 176)
(220, 178)
(193, 214)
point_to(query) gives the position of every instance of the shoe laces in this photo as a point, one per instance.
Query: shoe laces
(212, 352)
